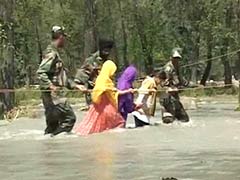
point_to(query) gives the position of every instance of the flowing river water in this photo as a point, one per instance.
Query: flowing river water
(207, 148)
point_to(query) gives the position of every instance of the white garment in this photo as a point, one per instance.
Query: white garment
(147, 99)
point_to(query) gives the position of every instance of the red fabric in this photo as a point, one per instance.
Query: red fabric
(100, 117)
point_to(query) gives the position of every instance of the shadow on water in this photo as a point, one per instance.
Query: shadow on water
(207, 148)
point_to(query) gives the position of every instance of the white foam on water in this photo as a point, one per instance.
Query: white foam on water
(117, 130)
(177, 124)
(5, 136)
(188, 124)
(4, 123)
(236, 138)
(27, 134)
(33, 135)
(65, 136)
(43, 137)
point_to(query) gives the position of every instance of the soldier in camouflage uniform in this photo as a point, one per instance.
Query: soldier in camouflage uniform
(88, 72)
(53, 83)
(172, 107)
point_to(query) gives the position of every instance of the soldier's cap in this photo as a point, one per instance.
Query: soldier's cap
(176, 54)
(172, 89)
(59, 29)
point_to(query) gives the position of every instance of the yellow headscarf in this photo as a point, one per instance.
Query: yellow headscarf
(104, 83)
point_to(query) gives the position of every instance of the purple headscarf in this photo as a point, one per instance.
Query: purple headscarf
(126, 102)
(127, 78)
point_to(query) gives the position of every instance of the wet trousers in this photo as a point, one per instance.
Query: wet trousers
(172, 105)
(59, 117)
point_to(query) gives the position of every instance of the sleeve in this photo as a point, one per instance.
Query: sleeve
(176, 81)
(168, 72)
(69, 83)
(94, 60)
(143, 91)
(90, 68)
(171, 76)
(146, 85)
(45, 68)
(83, 74)
(140, 98)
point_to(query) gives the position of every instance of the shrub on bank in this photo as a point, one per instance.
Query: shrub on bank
(210, 91)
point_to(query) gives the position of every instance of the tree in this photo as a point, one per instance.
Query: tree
(226, 43)
(146, 46)
(8, 51)
(91, 31)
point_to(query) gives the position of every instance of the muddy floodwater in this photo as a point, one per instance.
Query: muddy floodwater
(206, 148)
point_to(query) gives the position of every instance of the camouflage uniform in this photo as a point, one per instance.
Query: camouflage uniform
(88, 73)
(174, 107)
(173, 76)
(170, 102)
(59, 114)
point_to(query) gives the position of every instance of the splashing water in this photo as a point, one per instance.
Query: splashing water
(208, 147)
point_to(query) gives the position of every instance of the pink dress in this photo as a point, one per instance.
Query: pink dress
(100, 117)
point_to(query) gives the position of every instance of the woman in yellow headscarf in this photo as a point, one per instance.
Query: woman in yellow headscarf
(104, 84)
(103, 113)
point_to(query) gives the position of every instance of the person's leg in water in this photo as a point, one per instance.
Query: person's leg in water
(67, 118)
(181, 114)
(51, 116)
(168, 114)
(177, 109)
(88, 97)
(52, 120)
(167, 118)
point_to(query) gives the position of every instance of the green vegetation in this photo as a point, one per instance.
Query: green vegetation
(32, 97)
(210, 92)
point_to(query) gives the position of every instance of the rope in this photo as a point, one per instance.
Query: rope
(211, 59)
(137, 90)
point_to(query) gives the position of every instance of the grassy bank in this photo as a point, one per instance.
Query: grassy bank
(201, 92)
(31, 97)
(28, 99)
